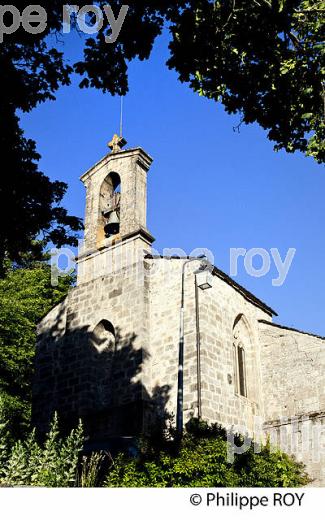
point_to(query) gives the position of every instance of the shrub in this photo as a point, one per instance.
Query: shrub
(201, 461)
(26, 295)
(55, 464)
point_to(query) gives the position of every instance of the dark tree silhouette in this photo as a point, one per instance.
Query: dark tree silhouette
(30, 211)
(262, 59)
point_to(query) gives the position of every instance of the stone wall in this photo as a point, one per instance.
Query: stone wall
(222, 309)
(78, 375)
(218, 309)
(293, 375)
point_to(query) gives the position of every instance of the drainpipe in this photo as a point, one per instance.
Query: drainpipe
(180, 382)
(198, 351)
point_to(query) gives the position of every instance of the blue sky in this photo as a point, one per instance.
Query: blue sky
(208, 187)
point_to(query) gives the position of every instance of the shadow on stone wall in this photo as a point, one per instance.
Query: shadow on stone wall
(78, 375)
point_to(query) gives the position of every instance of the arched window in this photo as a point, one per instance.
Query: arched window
(239, 334)
(103, 337)
(241, 370)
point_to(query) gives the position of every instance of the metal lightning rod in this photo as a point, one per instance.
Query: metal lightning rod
(121, 118)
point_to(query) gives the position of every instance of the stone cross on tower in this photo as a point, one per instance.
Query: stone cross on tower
(117, 143)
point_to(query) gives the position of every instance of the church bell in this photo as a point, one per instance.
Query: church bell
(112, 226)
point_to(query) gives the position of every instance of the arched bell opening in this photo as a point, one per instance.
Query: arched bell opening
(110, 203)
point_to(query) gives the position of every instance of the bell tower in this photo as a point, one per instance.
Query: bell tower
(116, 208)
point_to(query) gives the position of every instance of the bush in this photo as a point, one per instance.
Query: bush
(26, 295)
(15, 412)
(201, 461)
(55, 464)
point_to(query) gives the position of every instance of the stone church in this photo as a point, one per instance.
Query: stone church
(143, 335)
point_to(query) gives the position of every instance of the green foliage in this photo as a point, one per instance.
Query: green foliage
(29, 201)
(198, 464)
(4, 443)
(262, 59)
(53, 465)
(15, 412)
(201, 461)
(26, 295)
(270, 468)
(91, 470)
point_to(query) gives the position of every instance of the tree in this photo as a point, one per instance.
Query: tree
(26, 295)
(201, 461)
(29, 201)
(262, 59)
